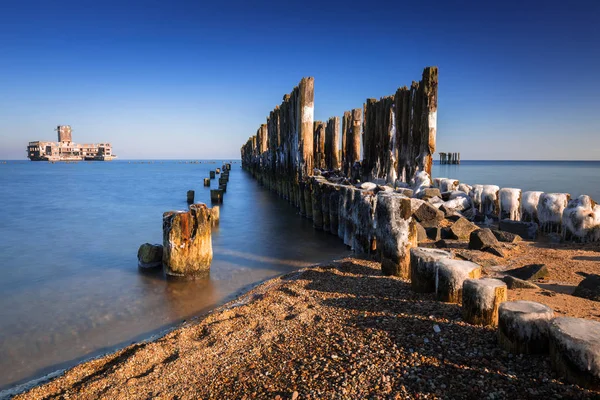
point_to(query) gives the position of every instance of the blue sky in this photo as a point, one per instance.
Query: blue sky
(178, 79)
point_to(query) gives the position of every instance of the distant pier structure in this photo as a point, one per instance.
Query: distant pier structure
(449, 158)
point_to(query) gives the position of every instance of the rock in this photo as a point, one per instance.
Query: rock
(506, 237)
(187, 242)
(462, 229)
(523, 326)
(575, 350)
(423, 268)
(150, 256)
(396, 233)
(421, 233)
(495, 250)
(527, 230)
(434, 233)
(428, 193)
(450, 275)
(529, 272)
(516, 283)
(481, 239)
(589, 288)
(367, 186)
(405, 191)
(481, 299)
(441, 244)
(428, 216)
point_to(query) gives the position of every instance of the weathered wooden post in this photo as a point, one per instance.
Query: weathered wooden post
(352, 124)
(523, 326)
(206, 181)
(216, 196)
(190, 196)
(212, 174)
(332, 138)
(187, 242)
(306, 111)
(218, 171)
(481, 299)
(319, 144)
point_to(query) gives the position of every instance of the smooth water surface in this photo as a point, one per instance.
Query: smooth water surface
(69, 236)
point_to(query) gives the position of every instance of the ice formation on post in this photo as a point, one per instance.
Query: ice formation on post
(529, 206)
(448, 185)
(510, 204)
(481, 299)
(423, 268)
(523, 326)
(485, 199)
(450, 275)
(550, 210)
(581, 220)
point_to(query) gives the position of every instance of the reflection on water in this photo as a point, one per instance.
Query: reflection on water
(70, 232)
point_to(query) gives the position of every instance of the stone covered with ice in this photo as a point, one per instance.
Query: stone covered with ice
(421, 181)
(463, 187)
(447, 185)
(510, 203)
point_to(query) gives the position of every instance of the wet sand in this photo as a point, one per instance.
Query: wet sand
(342, 330)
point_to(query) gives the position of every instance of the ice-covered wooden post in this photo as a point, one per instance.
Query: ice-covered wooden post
(510, 204)
(334, 209)
(187, 242)
(481, 299)
(364, 222)
(529, 206)
(523, 326)
(396, 233)
(550, 210)
(317, 199)
(450, 275)
(423, 268)
(332, 138)
(575, 350)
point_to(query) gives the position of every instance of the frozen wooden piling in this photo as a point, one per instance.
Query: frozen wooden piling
(423, 268)
(481, 299)
(187, 242)
(574, 345)
(523, 326)
(450, 275)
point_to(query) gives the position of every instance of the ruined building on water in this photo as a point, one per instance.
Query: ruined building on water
(66, 150)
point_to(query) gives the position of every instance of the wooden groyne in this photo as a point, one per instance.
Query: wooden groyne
(449, 158)
(386, 202)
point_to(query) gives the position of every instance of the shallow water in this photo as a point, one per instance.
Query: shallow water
(70, 286)
(69, 235)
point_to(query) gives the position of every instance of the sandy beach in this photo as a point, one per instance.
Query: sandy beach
(343, 330)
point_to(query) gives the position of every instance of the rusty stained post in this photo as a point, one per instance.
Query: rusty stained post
(429, 86)
(332, 138)
(305, 118)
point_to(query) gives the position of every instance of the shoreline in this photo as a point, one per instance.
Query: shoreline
(327, 305)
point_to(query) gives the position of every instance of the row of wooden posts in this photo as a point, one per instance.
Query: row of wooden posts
(216, 195)
(395, 135)
(449, 158)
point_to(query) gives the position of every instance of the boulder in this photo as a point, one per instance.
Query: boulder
(187, 242)
(405, 191)
(506, 237)
(150, 256)
(428, 193)
(421, 233)
(367, 186)
(589, 288)
(523, 326)
(527, 230)
(516, 283)
(495, 250)
(529, 272)
(428, 216)
(482, 239)
(462, 229)
(575, 350)
(434, 233)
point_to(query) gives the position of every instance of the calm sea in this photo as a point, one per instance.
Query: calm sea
(70, 287)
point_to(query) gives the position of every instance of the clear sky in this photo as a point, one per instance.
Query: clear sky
(195, 79)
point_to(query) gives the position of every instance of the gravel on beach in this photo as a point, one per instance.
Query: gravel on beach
(339, 331)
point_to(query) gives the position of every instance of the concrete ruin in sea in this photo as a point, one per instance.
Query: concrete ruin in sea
(66, 150)
(385, 202)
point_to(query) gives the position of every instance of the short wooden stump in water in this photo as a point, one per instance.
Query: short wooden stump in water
(523, 326)
(575, 350)
(481, 299)
(423, 268)
(206, 181)
(216, 196)
(450, 275)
